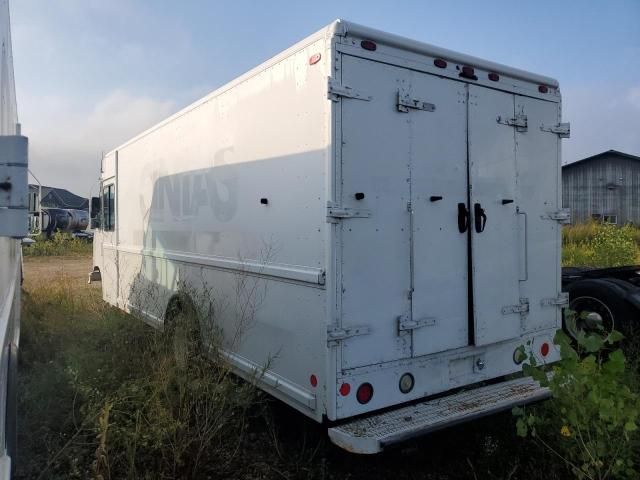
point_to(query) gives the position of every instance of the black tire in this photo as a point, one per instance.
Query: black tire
(606, 299)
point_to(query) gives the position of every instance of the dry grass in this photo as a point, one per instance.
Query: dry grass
(105, 396)
(102, 398)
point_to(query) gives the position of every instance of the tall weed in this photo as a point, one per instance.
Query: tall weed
(105, 396)
(600, 245)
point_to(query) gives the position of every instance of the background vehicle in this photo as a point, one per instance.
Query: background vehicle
(607, 298)
(376, 219)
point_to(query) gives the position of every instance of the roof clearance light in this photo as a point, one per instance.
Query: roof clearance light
(315, 58)
(345, 388)
(543, 89)
(494, 77)
(368, 45)
(440, 63)
(468, 72)
(544, 349)
(364, 393)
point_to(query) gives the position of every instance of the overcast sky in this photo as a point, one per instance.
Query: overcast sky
(92, 73)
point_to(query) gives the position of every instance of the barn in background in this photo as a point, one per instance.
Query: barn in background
(604, 187)
(58, 198)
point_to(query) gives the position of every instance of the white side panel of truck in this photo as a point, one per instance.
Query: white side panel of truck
(10, 293)
(227, 201)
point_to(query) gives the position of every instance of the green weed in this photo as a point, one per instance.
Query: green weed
(592, 421)
(59, 244)
(600, 245)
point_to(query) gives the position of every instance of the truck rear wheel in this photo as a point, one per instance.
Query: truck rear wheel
(182, 330)
(599, 306)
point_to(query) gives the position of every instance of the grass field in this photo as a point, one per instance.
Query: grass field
(60, 244)
(599, 245)
(101, 397)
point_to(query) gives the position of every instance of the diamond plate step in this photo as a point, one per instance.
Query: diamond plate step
(373, 433)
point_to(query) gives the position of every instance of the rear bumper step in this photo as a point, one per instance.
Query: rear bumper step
(372, 434)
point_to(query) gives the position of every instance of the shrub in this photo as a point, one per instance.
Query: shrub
(614, 247)
(591, 422)
(59, 244)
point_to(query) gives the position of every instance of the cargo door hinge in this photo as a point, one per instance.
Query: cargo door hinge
(562, 216)
(407, 102)
(519, 122)
(336, 212)
(337, 90)
(562, 300)
(563, 130)
(405, 322)
(336, 334)
(522, 308)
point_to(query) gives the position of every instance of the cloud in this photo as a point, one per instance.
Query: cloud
(67, 140)
(634, 97)
(602, 117)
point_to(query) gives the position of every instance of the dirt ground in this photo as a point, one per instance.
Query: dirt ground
(38, 269)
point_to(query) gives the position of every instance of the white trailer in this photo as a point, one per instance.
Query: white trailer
(391, 210)
(14, 163)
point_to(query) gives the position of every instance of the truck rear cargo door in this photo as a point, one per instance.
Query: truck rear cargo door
(439, 194)
(493, 122)
(375, 249)
(434, 170)
(537, 152)
(404, 260)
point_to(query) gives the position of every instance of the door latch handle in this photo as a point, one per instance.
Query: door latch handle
(507, 201)
(463, 217)
(479, 217)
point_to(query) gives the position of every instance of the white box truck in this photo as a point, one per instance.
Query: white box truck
(376, 220)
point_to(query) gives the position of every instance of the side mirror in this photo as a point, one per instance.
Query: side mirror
(95, 213)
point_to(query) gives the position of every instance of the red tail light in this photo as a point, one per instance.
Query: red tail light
(543, 89)
(544, 349)
(494, 77)
(364, 393)
(345, 388)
